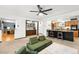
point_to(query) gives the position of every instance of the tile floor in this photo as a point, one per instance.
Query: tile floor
(21, 42)
(67, 43)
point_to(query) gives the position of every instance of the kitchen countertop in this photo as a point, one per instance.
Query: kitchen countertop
(62, 30)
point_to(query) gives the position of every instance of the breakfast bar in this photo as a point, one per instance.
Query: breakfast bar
(64, 35)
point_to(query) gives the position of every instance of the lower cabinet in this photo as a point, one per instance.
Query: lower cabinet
(61, 35)
(76, 34)
(68, 36)
(30, 32)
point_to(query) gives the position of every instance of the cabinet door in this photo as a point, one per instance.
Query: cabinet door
(67, 24)
(68, 36)
(52, 26)
(74, 22)
(75, 33)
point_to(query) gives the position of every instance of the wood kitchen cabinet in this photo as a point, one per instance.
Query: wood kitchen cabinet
(68, 23)
(30, 32)
(54, 25)
(76, 34)
(74, 22)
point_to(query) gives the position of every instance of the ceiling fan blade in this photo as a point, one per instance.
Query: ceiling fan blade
(47, 10)
(44, 13)
(39, 7)
(33, 11)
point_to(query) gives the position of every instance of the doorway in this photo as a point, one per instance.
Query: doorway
(32, 28)
(8, 31)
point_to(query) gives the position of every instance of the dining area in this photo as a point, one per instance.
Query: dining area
(7, 33)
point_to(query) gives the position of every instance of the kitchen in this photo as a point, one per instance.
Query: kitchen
(65, 30)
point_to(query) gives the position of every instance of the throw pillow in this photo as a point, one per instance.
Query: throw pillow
(41, 38)
(33, 40)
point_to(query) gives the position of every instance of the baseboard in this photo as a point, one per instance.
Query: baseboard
(20, 38)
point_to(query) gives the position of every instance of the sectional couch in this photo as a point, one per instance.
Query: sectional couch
(35, 45)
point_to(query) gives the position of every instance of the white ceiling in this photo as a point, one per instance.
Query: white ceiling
(23, 10)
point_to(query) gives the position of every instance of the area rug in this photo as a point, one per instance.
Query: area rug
(57, 48)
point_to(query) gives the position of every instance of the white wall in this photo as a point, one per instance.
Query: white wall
(43, 27)
(0, 34)
(20, 28)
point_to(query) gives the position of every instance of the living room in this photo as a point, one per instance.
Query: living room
(58, 24)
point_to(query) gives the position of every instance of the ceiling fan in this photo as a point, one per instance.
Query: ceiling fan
(41, 11)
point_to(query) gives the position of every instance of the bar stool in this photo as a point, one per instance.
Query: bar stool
(60, 35)
(52, 34)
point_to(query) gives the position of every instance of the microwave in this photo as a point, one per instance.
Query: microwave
(74, 27)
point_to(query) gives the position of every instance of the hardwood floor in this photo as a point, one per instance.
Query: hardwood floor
(7, 37)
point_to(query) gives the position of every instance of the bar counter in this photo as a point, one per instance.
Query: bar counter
(61, 34)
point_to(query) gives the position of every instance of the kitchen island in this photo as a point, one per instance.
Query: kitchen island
(64, 35)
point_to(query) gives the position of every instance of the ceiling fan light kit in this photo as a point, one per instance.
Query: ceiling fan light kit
(41, 14)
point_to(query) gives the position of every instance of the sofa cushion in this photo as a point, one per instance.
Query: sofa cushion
(41, 38)
(22, 50)
(40, 44)
(33, 40)
(30, 51)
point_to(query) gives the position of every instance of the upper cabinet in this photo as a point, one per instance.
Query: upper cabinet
(71, 22)
(74, 22)
(68, 24)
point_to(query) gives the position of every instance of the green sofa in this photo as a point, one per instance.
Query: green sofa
(35, 45)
